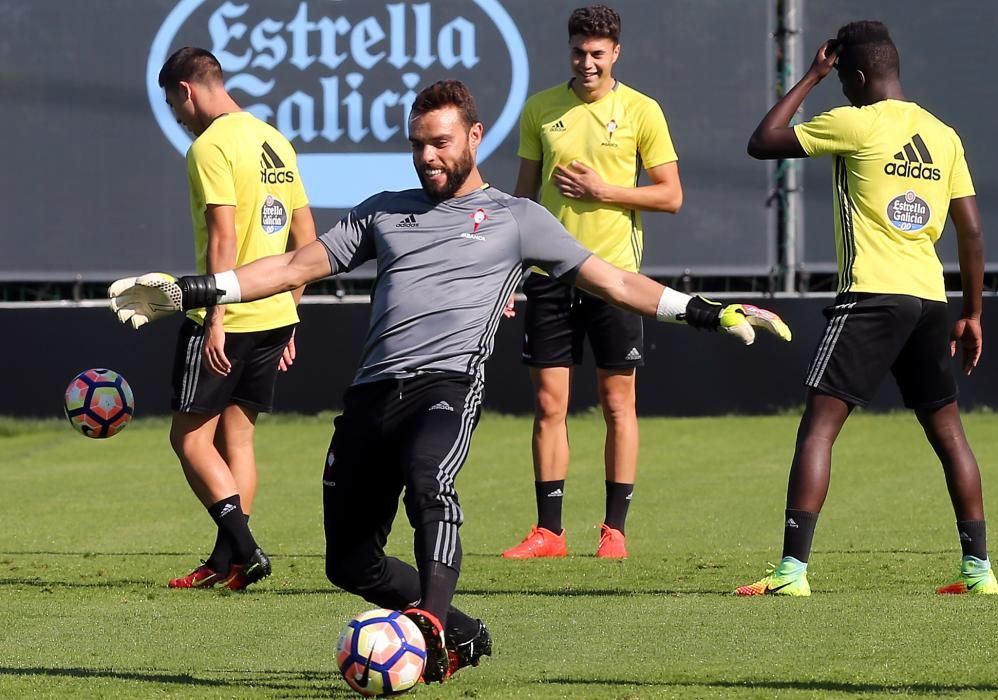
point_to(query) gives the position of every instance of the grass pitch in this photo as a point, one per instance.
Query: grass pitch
(91, 530)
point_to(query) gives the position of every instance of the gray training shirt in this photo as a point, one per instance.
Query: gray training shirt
(445, 272)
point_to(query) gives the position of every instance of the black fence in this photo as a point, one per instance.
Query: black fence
(688, 373)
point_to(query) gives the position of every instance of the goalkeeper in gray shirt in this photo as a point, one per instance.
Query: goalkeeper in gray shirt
(449, 255)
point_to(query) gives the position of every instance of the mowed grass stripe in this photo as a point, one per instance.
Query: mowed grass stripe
(93, 529)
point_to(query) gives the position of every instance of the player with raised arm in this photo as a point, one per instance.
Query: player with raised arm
(448, 257)
(247, 202)
(582, 145)
(898, 170)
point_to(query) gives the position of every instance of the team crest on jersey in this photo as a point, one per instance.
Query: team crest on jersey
(273, 215)
(908, 212)
(611, 128)
(479, 217)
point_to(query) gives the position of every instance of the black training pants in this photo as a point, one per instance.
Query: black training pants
(408, 435)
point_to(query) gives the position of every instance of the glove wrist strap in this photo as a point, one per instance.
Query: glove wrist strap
(702, 313)
(198, 291)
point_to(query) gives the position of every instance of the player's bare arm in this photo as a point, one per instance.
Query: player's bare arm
(301, 233)
(665, 193)
(221, 255)
(528, 184)
(155, 295)
(528, 179)
(645, 296)
(774, 138)
(283, 273)
(970, 248)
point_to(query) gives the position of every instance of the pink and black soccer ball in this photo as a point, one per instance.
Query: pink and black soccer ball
(99, 403)
(381, 652)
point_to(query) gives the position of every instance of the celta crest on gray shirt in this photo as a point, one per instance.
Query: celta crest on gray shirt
(445, 272)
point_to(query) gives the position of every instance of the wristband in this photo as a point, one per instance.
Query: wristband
(227, 285)
(672, 306)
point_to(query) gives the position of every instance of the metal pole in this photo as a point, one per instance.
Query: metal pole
(790, 183)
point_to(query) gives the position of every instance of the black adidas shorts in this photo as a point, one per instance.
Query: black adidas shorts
(869, 334)
(559, 317)
(254, 357)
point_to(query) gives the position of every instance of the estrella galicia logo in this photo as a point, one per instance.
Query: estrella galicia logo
(908, 212)
(273, 215)
(338, 78)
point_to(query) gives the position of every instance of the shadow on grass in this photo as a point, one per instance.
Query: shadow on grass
(484, 592)
(297, 684)
(87, 555)
(158, 587)
(43, 583)
(584, 592)
(775, 685)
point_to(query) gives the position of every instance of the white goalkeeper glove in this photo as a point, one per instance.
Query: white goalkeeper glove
(154, 295)
(139, 300)
(741, 320)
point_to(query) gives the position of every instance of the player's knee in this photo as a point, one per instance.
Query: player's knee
(191, 440)
(346, 573)
(184, 444)
(550, 406)
(618, 406)
(425, 507)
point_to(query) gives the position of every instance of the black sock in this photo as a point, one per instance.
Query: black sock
(550, 495)
(235, 528)
(973, 538)
(437, 582)
(220, 558)
(798, 531)
(460, 628)
(618, 498)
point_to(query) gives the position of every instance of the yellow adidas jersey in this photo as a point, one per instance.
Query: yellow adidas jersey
(242, 161)
(896, 168)
(616, 136)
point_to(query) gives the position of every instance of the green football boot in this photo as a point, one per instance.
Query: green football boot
(788, 578)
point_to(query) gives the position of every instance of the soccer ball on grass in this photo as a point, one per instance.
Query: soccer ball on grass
(381, 652)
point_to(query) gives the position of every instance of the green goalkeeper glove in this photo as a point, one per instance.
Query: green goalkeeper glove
(741, 320)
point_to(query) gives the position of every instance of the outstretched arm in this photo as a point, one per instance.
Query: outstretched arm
(645, 296)
(774, 138)
(970, 246)
(281, 273)
(139, 300)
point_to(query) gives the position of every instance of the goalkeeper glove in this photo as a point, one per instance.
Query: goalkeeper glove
(155, 295)
(739, 320)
